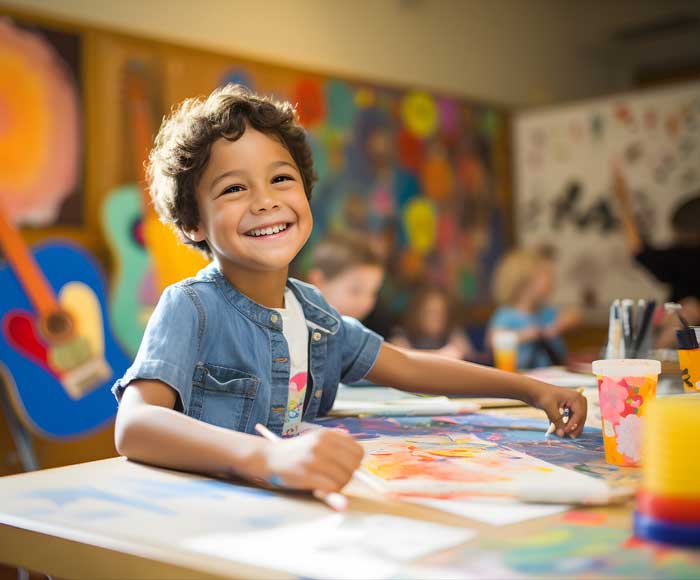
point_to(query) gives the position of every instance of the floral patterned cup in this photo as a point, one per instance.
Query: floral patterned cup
(624, 387)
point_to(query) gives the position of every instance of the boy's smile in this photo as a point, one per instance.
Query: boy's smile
(253, 210)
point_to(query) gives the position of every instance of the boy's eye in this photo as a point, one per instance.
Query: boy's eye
(280, 178)
(232, 189)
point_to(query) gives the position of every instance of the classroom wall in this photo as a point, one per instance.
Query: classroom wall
(513, 52)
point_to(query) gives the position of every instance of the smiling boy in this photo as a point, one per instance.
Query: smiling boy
(241, 343)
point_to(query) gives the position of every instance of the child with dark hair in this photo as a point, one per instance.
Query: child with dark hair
(678, 264)
(242, 343)
(348, 271)
(432, 324)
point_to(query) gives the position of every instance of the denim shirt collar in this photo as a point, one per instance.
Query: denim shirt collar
(316, 316)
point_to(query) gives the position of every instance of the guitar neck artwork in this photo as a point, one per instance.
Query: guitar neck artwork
(147, 253)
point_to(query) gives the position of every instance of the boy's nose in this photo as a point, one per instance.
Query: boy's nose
(265, 200)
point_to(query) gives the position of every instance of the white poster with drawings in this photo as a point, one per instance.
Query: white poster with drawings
(564, 199)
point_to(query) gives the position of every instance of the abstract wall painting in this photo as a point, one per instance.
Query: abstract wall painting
(40, 125)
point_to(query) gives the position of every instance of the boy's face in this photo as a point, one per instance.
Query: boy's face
(354, 292)
(253, 209)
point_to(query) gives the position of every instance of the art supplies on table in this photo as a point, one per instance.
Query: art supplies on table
(477, 466)
(668, 505)
(629, 329)
(625, 389)
(688, 351)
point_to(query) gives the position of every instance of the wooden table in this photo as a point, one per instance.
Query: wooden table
(118, 519)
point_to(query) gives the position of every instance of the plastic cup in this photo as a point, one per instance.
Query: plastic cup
(625, 386)
(505, 349)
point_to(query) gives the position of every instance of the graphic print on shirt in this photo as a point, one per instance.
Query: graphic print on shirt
(295, 405)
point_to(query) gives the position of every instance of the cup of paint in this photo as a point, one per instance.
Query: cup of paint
(505, 349)
(625, 387)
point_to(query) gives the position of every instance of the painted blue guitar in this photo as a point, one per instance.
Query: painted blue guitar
(57, 353)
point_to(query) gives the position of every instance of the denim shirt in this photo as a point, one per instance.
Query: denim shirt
(227, 359)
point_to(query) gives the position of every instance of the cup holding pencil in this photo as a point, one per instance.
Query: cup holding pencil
(630, 329)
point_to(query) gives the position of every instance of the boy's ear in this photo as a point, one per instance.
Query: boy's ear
(316, 277)
(195, 234)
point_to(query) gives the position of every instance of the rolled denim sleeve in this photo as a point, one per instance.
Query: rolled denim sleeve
(170, 345)
(360, 348)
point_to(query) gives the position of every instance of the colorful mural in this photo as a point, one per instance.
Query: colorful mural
(414, 171)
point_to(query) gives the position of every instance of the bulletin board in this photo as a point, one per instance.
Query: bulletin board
(563, 161)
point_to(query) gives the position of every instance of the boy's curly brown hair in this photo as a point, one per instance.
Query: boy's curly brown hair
(183, 145)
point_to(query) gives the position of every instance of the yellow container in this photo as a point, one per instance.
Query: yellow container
(670, 449)
(689, 361)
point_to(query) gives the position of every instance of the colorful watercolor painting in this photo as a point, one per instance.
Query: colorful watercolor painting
(40, 125)
(456, 466)
(584, 455)
(565, 548)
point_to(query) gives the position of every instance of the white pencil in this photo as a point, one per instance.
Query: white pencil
(334, 500)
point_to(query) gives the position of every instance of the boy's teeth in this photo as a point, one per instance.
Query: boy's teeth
(269, 231)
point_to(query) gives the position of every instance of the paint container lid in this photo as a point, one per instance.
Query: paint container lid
(626, 367)
(679, 510)
(686, 339)
(656, 530)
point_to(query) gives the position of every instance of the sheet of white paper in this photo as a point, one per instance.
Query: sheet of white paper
(337, 546)
(496, 513)
(408, 408)
(372, 394)
(560, 377)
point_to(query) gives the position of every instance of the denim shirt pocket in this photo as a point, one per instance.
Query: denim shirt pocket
(223, 396)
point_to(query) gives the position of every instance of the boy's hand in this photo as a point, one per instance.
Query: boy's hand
(550, 399)
(322, 460)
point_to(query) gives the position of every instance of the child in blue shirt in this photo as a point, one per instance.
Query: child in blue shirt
(241, 343)
(523, 284)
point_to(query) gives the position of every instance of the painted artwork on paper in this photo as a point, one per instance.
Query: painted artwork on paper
(453, 465)
(584, 455)
(565, 548)
(40, 126)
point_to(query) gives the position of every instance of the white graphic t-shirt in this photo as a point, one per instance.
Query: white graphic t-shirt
(297, 337)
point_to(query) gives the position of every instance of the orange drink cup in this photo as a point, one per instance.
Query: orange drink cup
(505, 350)
(625, 386)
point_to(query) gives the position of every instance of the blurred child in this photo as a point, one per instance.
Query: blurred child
(348, 271)
(243, 344)
(430, 324)
(677, 265)
(523, 283)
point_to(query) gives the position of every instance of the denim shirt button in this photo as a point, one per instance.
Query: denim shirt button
(318, 393)
(316, 336)
(273, 318)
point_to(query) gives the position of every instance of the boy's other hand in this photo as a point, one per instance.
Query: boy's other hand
(551, 399)
(322, 460)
